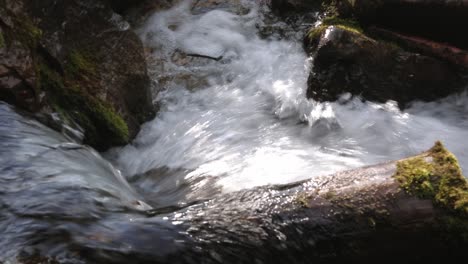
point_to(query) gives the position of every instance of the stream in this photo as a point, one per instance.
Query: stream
(224, 125)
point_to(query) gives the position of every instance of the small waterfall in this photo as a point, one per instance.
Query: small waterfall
(233, 116)
(243, 120)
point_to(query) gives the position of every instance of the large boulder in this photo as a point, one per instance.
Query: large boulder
(347, 61)
(79, 59)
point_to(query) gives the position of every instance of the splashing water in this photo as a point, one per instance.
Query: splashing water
(249, 122)
(233, 116)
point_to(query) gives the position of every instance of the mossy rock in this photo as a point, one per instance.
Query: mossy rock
(102, 125)
(80, 63)
(314, 35)
(26, 31)
(91, 71)
(2, 40)
(346, 60)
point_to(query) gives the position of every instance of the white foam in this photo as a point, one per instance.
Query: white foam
(255, 127)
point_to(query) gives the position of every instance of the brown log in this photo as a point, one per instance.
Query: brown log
(412, 210)
(442, 51)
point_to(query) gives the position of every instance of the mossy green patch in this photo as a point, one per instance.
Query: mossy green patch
(302, 199)
(103, 126)
(80, 63)
(347, 24)
(438, 177)
(27, 32)
(314, 34)
(2, 40)
(415, 177)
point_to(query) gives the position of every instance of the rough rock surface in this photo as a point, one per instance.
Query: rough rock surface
(77, 58)
(346, 60)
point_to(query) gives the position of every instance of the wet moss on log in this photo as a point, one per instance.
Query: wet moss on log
(437, 177)
(359, 215)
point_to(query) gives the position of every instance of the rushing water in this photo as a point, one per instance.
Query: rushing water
(249, 122)
(228, 124)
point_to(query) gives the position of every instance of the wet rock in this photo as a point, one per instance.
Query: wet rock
(347, 61)
(77, 58)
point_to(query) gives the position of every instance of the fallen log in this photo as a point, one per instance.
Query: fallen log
(439, 50)
(411, 210)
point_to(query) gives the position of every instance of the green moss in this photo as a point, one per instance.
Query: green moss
(302, 199)
(2, 40)
(347, 24)
(415, 177)
(103, 126)
(27, 32)
(315, 34)
(438, 177)
(80, 63)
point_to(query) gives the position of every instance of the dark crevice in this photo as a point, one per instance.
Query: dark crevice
(437, 21)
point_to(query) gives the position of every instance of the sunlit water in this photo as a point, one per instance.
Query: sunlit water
(251, 125)
(225, 125)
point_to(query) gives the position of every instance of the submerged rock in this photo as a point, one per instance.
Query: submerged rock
(77, 58)
(348, 61)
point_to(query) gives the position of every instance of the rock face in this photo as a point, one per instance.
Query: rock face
(346, 60)
(77, 58)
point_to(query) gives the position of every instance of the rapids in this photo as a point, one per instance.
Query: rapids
(249, 123)
(224, 125)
